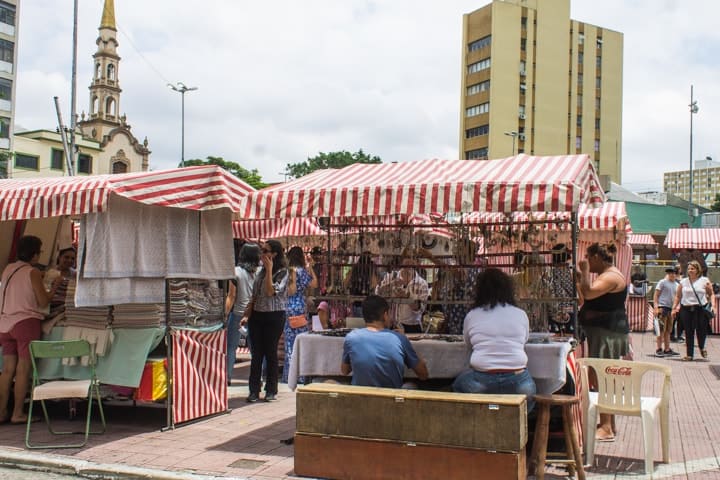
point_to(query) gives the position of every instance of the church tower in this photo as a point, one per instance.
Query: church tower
(122, 151)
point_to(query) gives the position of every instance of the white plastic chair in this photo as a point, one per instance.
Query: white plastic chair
(619, 383)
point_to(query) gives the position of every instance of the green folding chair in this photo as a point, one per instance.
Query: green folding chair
(63, 389)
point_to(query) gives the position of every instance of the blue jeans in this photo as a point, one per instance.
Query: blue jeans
(233, 340)
(472, 381)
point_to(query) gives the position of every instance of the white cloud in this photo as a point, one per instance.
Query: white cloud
(281, 81)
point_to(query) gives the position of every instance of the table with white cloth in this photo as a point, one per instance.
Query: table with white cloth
(316, 355)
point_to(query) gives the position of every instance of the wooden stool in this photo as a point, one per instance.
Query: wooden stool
(574, 460)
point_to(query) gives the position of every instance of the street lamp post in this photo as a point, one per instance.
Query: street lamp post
(182, 88)
(514, 135)
(693, 110)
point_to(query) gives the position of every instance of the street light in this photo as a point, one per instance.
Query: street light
(180, 87)
(514, 135)
(693, 110)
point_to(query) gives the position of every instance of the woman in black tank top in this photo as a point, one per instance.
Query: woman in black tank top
(602, 317)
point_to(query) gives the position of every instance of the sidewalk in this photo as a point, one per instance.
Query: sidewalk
(246, 443)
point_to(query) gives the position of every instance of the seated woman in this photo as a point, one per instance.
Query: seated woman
(496, 331)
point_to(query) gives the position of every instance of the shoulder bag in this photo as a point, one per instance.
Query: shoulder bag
(708, 311)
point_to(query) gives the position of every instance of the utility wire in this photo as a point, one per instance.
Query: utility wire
(134, 47)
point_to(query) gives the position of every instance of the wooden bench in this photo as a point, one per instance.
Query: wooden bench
(345, 432)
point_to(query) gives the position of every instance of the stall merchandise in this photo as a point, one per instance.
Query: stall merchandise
(202, 199)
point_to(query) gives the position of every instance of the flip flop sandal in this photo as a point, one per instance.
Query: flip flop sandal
(687, 359)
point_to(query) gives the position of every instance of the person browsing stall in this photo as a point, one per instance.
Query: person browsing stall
(496, 331)
(663, 301)
(22, 298)
(266, 319)
(603, 317)
(377, 356)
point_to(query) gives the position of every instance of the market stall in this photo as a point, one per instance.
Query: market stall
(691, 241)
(129, 253)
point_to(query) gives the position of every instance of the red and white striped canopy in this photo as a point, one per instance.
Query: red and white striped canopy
(521, 183)
(641, 240)
(703, 239)
(607, 217)
(194, 188)
(276, 228)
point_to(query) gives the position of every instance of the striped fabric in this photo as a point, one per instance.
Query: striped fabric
(199, 374)
(521, 183)
(195, 188)
(640, 315)
(276, 228)
(704, 239)
(641, 240)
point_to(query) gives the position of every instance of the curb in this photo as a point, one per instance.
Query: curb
(82, 468)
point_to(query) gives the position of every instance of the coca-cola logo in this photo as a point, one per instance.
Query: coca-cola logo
(615, 370)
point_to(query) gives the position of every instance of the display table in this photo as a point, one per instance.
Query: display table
(319, 355)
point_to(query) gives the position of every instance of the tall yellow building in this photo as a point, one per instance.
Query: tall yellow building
(535, 81)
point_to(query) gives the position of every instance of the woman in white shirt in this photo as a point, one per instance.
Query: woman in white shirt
(496, 332)
(694, 292)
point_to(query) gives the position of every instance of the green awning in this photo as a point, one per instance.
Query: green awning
(657, 219)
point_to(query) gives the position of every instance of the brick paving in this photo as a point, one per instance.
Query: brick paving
(246, 443)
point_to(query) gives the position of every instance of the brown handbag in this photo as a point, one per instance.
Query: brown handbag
(297, 321)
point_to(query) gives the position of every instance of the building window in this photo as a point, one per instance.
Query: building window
(477, 109)
(523, 44)
(31, 162)
(523, 23)
(7, 13)
(580, 79)
(478, 87)
(119, 167)
(5, 89)
(597, 124)
(478, 154)
(597, 145)
(581, 38)
(57, 159)
(578, 142)
(599, 42)
(479, 66)
(111, 72)
(598, 61)
(597, 103)
(709, 183)
(7, 51)
(84, 163)
(579, 121)
(521, 110)
(581, 57)
(522, 67)
(579, 100)
(478, 44)
(477, 131)
(4, 127)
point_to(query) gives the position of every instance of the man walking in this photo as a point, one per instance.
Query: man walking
(663, 301)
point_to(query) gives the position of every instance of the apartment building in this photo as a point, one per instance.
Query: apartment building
(705, 185)
(535, 81)
(8, 63)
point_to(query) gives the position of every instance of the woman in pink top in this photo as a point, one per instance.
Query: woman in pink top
(22, 296)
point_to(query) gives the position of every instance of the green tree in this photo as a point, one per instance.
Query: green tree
(329, 160)
(715, 207)
(251, 177)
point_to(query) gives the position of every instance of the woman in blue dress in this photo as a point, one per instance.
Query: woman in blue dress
(302, 276)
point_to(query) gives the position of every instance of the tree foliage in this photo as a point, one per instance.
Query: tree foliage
(251, 177)
(329, 160)
(715, 207)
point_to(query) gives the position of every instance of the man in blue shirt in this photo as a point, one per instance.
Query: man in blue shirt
(377, 356)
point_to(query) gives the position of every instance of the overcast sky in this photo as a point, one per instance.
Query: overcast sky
(281, 81)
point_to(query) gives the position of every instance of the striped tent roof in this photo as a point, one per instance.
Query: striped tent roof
(276, 228)
(703, 239)
(606, 217)
(521, 183)
(195, 188)
(641, 240)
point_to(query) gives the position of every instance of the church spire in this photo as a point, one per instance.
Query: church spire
(108, 16)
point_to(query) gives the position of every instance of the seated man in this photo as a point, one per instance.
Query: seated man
(377, 356)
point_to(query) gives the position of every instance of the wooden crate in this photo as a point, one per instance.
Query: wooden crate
(359, 459)
(489, 422)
